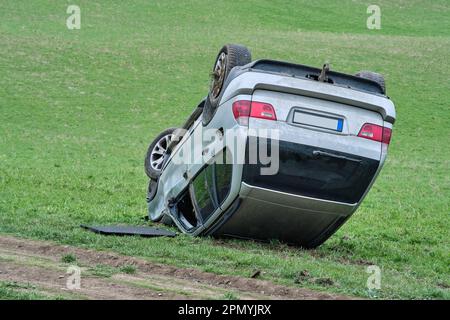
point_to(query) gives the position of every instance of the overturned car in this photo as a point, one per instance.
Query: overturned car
(275, 151)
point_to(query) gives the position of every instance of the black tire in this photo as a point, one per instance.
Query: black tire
(167, 221)
(376, 77)
(151, 190)
(151, 169)
(232, 55)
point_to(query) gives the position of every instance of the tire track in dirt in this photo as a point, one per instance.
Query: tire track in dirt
(39, 263)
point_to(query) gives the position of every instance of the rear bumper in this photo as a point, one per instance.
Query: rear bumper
(312, 172)
(309, 198)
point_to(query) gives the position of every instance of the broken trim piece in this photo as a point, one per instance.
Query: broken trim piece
(130, 231)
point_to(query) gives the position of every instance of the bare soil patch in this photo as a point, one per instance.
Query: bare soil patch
(39, 263)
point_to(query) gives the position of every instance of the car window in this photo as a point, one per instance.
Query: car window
(223, 176)
(211, 186)
(203, 192)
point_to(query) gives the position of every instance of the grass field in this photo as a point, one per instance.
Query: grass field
(79, 107)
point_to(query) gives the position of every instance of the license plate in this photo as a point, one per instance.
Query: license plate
(318, 121)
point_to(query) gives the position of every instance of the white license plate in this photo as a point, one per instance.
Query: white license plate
(314, 120)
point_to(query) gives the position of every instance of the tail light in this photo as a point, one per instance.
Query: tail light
(387, 133)
(262, 110)
(375, 132)
(243, 109)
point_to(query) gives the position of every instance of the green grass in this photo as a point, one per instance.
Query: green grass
(23, 291)
(128, 269)
(230, 296)
(104, 271)
(68, 258)
(78, 108)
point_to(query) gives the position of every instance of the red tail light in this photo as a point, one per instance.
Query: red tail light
(387, 133)
(243, 109)
(263, 111)
(375, 132)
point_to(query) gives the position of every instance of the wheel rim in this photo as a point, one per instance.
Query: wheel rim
(157, 154)
(219, 74)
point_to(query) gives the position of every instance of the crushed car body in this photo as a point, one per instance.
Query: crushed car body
(275, 151)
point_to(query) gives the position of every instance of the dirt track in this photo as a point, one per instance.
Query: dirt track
(38, 263)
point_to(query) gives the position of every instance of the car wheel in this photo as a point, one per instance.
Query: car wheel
(167, 221)
(151, 190)
(230, 56)
(378, 78)
(155, 153)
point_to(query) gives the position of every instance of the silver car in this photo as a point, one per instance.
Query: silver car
(275, 151)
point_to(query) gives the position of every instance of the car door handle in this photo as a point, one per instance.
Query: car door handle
(328, 154)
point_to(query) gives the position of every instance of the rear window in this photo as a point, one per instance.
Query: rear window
(212, 185)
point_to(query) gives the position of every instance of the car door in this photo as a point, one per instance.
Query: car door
(209, 188)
